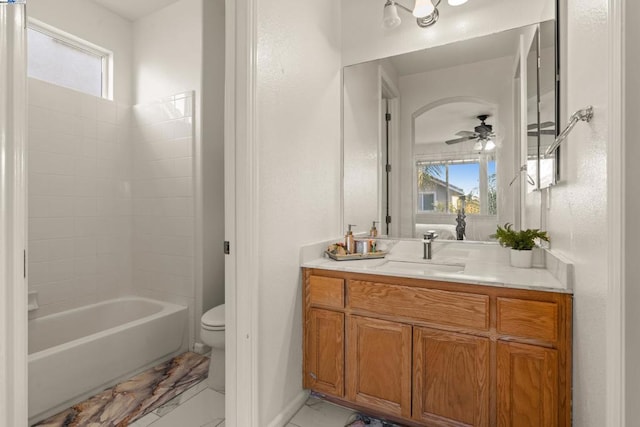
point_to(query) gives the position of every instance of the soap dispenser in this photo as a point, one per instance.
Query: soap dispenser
(374, 231)
(349, 241)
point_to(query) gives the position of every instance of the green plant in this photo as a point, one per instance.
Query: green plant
(522, 240)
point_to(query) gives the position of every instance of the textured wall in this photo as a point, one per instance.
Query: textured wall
(577, 213)
(298, 132)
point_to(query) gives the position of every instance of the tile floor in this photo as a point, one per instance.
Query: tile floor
(202, 407)
(199, 406)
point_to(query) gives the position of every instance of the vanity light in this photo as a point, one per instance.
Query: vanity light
(423, 8)
(425, 11)
(390, 18)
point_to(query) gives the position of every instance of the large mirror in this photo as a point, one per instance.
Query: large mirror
(451, 135)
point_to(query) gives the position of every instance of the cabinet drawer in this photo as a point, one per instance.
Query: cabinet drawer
(442, 307)
(528, 319)
(326, 291)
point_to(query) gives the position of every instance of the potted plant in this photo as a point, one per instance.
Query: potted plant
(521, 243)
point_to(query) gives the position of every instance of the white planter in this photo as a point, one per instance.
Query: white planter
(521, 259)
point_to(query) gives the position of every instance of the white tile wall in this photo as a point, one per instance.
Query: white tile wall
(163, 200)
(111, 203)
(79, 198)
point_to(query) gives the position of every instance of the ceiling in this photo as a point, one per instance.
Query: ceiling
(134, 9)
(469, 51)
(443, 122)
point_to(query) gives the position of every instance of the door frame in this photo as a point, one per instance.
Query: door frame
(13, 218)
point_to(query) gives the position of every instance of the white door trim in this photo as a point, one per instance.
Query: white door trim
(615, 363)
(241, 216)
(13, 217)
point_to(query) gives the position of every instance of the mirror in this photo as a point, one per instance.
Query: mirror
(429, 133)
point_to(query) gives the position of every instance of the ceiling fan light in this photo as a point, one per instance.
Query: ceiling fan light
(477, 146)
(456, 2)
(490, 145)
(423, 8)
(390, 17)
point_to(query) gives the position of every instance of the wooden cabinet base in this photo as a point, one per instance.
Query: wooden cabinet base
(426, 353)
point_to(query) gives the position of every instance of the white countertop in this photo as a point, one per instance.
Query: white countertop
(478, 263)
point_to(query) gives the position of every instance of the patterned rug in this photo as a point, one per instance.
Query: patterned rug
(126, 402)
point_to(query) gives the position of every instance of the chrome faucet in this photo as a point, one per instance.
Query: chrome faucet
(428, 239)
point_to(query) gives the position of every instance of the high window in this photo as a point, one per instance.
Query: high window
(62, 59)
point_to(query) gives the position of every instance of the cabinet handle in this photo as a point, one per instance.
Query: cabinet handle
(312, 375)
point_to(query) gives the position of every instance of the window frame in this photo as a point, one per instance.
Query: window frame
(435, 200)
(82, 45)
(460, 158)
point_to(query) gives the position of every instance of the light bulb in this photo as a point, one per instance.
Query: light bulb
(390, 18)
(490, 145)
(423, 8)
(456, 2)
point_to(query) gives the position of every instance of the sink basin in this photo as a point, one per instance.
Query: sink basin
(420, 267)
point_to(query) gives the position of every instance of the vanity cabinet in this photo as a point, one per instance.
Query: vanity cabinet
(429, 353)
(379, 365)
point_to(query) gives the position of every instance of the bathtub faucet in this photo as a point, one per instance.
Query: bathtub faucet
(428, 239)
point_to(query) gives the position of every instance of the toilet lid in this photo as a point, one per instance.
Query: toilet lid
(214, 317)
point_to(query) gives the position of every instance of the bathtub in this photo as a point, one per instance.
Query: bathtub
(77, 353)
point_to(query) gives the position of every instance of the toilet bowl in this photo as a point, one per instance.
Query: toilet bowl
(212, 334)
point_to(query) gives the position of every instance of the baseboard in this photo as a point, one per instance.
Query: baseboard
(290, 410)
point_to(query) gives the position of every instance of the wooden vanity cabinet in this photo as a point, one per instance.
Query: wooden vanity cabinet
(427, 353)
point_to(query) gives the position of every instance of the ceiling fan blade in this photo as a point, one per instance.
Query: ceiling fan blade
(466, 133)
(455, 141)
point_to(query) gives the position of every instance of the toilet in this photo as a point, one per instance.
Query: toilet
(212, 334)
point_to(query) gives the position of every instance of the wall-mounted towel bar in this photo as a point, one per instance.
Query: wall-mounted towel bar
(584, 115)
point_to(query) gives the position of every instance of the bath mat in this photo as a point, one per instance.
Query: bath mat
(361, 420)
(132, 399)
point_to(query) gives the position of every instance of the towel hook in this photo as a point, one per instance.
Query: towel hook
(584, 115)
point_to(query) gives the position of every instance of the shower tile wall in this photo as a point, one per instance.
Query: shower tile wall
(163, 201)
(79, 198)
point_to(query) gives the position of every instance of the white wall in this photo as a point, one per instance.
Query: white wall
(490, 81)
(97, 25)
(79, 198)
(632, 232)
(212, 154)
(577, 214)
(366, 39)
(298, 132)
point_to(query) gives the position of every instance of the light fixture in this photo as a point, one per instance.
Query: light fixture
(490, 145)
(423, 8)
(425, 11)
(477, 146)
(390, 18)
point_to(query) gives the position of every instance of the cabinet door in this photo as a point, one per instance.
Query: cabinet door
(324, 352)
(451, 378)
(379, 365)
(527, 383)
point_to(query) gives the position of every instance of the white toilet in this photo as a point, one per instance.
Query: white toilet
(212, 334)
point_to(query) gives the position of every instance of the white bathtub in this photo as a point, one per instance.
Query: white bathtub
(77, 353)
